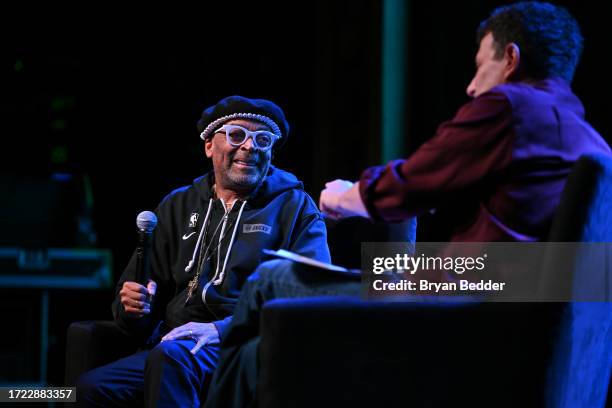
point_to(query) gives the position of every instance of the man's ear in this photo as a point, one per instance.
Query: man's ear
(208, 147)
(512, 56)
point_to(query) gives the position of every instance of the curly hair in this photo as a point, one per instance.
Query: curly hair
(548, 36)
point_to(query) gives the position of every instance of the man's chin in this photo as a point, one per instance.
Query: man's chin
(246, 181)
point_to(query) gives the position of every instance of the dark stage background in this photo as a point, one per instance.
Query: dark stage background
(112, 95)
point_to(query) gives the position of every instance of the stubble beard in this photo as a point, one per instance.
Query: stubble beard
(244, 182)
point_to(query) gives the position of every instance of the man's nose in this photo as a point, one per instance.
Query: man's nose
(471, 90)
(248, 144)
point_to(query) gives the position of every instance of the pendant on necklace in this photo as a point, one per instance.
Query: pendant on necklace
(193, 283)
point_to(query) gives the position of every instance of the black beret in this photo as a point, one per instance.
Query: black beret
(239, 107)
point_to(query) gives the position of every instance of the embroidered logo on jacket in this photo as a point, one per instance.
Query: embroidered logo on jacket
(193, 220)
(187, 236)
(248, 228)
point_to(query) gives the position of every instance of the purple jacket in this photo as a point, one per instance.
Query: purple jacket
(499, 166)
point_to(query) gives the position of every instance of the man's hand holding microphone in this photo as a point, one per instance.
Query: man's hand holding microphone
(136, 298)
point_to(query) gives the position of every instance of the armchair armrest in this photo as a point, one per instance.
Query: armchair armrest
(90, 344)
(358, 353)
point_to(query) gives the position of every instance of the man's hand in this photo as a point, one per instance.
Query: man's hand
(202, 333)
(136, 299)
(340, 199)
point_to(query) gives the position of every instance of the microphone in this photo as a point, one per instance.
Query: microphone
(146, 223)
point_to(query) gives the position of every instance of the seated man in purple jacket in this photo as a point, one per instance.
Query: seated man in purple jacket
(496, 169)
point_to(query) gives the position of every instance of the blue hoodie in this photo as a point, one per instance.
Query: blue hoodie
(196, 232)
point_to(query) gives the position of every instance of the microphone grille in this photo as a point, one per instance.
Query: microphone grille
(146, 221)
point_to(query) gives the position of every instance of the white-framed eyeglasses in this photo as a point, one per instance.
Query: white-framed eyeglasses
(237, 136)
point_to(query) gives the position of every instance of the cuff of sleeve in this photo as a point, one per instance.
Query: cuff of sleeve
(366, 185)
(222, 326)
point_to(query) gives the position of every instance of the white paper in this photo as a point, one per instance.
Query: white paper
(281, 253)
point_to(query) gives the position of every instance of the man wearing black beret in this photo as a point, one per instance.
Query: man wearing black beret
(209, 238)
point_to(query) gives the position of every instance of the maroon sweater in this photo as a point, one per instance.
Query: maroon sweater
(499, 166)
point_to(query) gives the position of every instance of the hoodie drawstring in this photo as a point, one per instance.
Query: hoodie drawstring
(197, 247)
(215, 280)
(229, 248)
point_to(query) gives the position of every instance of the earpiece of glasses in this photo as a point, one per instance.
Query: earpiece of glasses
(237, 135)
